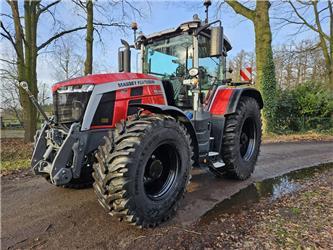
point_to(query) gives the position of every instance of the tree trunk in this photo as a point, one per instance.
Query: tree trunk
(266, 81)
(89, 38)
(30, 75)
(265, 63)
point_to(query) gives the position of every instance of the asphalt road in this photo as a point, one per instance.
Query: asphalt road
(35, 214)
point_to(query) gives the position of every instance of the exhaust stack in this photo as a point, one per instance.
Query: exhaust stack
(124, 57)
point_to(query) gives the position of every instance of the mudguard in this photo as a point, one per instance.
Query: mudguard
(179, 115)
(225, 100)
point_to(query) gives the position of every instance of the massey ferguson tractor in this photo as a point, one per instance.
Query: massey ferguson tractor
(136, 136)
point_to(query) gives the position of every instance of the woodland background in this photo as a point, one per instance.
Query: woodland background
(295, 78)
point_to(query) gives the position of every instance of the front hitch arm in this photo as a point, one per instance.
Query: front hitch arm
(34, 101)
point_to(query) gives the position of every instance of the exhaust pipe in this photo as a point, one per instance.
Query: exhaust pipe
(124, 57)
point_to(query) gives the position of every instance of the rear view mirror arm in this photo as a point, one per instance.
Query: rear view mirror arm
(202, 28)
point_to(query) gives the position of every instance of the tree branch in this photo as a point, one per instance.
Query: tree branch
(40, 11)
(112, 25)
(56, 36)
(241, 9)
(306, 23)
(7, 35)
(7, 61)
(6, 15)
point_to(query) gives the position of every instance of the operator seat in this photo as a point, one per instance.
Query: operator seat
(169, 92)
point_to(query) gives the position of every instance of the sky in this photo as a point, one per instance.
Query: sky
(158, 15)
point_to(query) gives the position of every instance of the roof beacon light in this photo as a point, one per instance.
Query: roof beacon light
(134, 27)
(207, 3)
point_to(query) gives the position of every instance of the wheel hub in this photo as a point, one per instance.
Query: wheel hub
(244, 139)
(247, 139)
(155, 169)
(160, 171)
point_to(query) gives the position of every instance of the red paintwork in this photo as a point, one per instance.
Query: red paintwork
(102, 78)
(221, 101)
(152, 94)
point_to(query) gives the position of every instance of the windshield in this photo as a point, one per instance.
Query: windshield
(169, 57)
(172, 58)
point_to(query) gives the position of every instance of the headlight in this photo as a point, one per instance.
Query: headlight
(76, 88)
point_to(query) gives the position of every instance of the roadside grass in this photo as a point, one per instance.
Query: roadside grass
(15, 155)
(294, 137)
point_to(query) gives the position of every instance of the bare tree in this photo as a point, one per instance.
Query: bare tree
(317, 17)
(24, 42)
(299, 62)
(9, 92)
(67, 63)
(97, 17)
(9, 89)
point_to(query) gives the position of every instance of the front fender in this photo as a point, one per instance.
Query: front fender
(177, 114)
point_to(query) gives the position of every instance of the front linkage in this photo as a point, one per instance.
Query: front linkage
(62, 155)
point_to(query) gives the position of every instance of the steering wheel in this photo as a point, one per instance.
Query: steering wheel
(202, 72)
(180, 71)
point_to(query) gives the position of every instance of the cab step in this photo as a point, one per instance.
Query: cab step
(218, 164)
(212, 154)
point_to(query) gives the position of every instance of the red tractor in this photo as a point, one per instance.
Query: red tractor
(136, 136)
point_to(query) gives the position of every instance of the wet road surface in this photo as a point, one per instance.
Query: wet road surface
(35, 214)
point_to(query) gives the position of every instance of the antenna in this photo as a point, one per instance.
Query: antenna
(134, 27)
(207, 3)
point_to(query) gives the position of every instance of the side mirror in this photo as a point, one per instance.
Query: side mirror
(216, 41)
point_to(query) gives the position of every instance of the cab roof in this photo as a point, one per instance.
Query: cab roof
(187, 26)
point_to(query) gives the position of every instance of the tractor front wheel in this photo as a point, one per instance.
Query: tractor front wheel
(143, 168)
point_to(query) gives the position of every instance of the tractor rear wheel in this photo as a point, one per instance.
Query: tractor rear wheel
(143, 169)
(242, 139)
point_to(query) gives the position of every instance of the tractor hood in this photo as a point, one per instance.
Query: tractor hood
(97, 79)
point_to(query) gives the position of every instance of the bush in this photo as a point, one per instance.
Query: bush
(308, 106)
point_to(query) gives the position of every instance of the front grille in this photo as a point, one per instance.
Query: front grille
(70, 107)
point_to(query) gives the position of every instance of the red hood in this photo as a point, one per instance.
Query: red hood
(102, 78)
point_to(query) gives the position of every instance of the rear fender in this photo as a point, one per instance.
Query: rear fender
(177, 114)
(225, 100)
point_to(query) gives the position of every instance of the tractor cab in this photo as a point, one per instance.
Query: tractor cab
(190, 60)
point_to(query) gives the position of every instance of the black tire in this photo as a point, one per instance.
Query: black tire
(242, 139)
(143, 169)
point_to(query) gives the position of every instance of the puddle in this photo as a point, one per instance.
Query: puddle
(272, 189)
